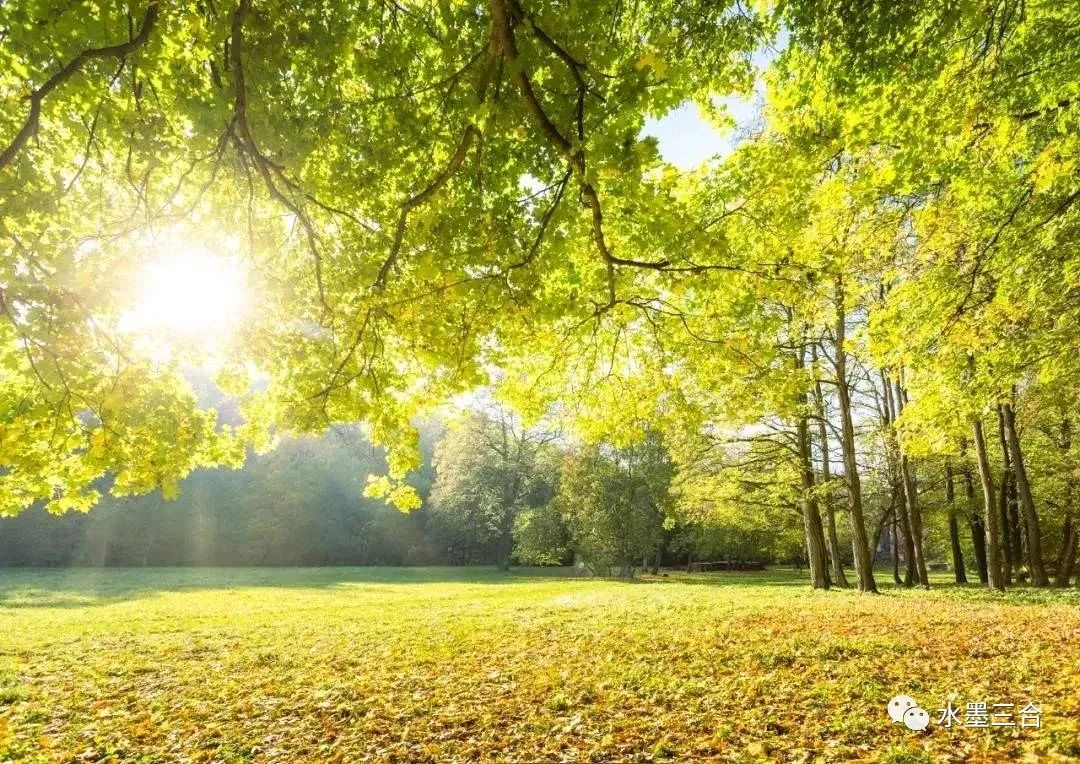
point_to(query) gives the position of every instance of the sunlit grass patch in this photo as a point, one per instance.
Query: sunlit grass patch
(462, 665)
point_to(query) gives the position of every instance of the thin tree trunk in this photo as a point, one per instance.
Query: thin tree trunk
(1017, 535)
(911, 498)
(895, 553)
(1072, 533)
(1010, 552)
(875, 538)
(993, 549)
(959, 574)
(831, 539)
(864, 556)
(1068, 552)
(1027, 503)
(978, 530)
(911, 575)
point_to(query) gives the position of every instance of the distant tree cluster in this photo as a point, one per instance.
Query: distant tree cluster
(301, 504)
(530, 495)
(493, 492)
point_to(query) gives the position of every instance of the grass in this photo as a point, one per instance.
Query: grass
(348, 664)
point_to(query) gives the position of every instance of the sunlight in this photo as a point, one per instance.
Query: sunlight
(188, 293)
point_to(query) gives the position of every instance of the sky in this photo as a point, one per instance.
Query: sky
(686, 140)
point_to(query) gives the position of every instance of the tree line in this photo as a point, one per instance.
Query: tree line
(863, 320)
(493, 494)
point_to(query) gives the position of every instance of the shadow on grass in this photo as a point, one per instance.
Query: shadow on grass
(88, 587)
(79, 587)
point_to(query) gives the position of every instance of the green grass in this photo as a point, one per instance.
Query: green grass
(346, 664)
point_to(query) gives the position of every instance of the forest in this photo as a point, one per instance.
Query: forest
(581, 292)
(303, 504)
(866, 314)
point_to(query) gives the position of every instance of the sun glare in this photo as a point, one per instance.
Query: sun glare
(188, 294)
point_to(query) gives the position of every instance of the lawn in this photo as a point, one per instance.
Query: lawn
(347, 664)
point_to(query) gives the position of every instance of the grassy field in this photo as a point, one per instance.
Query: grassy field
(347, 664)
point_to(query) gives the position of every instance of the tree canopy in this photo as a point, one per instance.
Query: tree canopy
(427, 197)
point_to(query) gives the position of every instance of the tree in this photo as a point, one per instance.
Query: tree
(613, 502)
(541, 537)
(959, 572)
(821, 415)
(489, 469)
(467, 197)
(406, 204)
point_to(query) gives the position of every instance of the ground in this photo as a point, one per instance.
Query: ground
(349, 664)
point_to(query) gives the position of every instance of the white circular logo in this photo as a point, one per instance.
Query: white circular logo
(916, 718)
(900, 704)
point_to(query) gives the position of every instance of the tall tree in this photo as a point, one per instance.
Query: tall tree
(815, 536)
(831, 540)
(1027, 503)
(994, 573)
(864, 558)
(489, 469)
(978, 529)
(911, 496)
(959, 573)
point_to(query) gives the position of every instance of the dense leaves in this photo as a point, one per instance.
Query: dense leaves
(428, 197)
(409, 184)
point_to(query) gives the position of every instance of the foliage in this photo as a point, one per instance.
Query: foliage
(489, 470)
(540, 537)
(435, 196)
(613, 501)
(426, 158)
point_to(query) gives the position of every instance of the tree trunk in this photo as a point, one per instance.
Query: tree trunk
(864, 556)
(808, 504)
(993, 549)
(1017, 537)
(978, 530)
(1068, 552)
(1010, 552)
(1072, 533)
(911, 575)
(831, 540)
(815, 544)
(911, 498)
(1027, 503)
(892, 457)
(895, 553)
(959, 574)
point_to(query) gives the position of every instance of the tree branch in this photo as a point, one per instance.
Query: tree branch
(241, 129)
(67, 72)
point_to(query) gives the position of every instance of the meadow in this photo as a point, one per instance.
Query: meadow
(440, 664)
